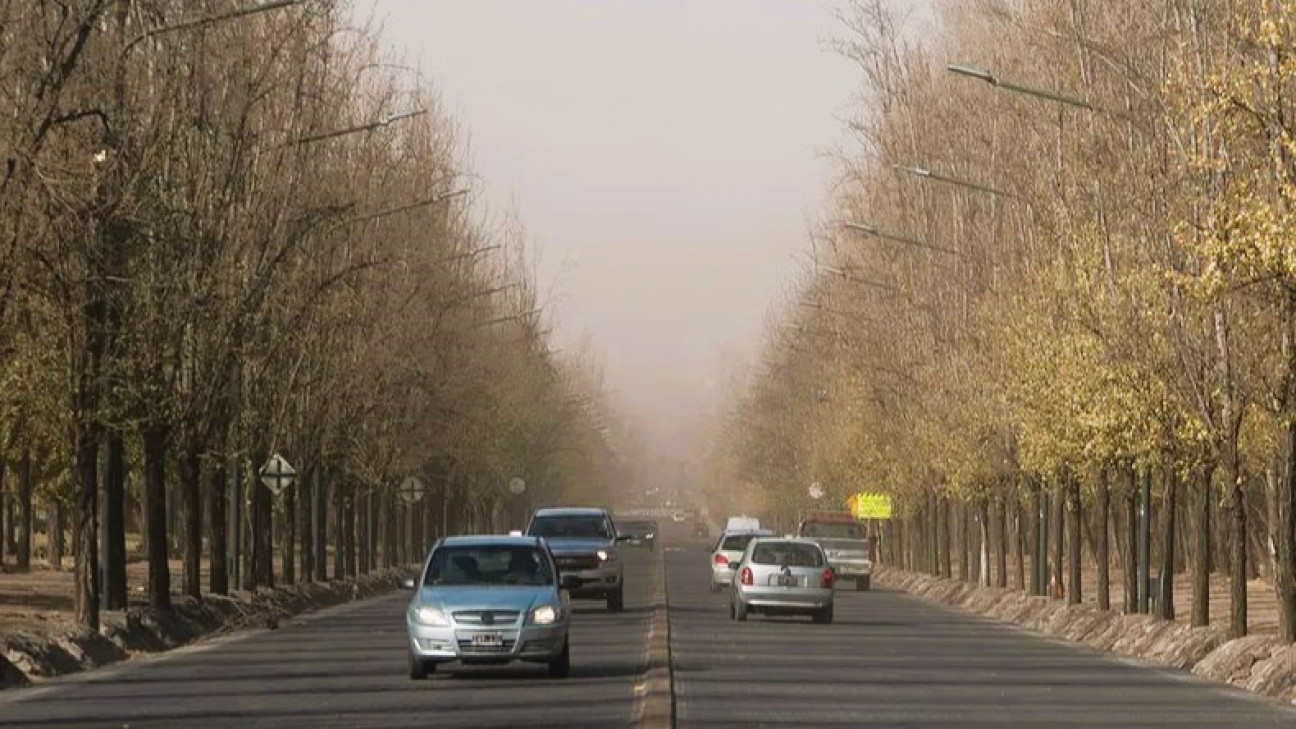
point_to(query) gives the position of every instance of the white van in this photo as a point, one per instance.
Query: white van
(742, 524)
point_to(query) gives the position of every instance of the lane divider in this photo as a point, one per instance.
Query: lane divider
(655, 692)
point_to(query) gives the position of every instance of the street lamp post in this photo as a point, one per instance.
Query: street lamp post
(872, 230)
(996, 81)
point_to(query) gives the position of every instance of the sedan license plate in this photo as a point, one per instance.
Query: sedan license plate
(488, 640)
(787, 581)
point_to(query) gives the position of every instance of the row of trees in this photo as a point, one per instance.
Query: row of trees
(1060, 274)
(232, 229)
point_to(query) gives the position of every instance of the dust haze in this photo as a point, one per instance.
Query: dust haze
(667, 158)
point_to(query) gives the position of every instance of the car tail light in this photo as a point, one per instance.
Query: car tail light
(826, 579)
(746, 576)
(720, 559)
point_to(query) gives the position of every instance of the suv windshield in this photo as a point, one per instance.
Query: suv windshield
(790, 554)
(587, 527)
(494, 564)
(841, 530)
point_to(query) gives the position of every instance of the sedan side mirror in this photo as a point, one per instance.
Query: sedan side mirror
(569, 582)
(407, 583)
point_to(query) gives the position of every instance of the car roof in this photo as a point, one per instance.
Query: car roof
(751, 532)
(481, 540)
(790, 540)
(571, 511)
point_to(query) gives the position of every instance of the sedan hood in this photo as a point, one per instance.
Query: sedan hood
(577, 545)
(486, 598)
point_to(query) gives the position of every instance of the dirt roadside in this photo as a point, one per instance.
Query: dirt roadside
(43, 649)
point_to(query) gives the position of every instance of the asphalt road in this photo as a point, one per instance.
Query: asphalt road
(888, 661)
(347, 668)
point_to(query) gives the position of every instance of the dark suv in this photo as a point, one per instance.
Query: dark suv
(584, 544)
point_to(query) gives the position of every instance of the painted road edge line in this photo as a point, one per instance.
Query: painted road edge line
(654, 694)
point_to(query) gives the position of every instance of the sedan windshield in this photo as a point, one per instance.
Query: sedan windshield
(588, 527)
(787, 554)
(493, 564)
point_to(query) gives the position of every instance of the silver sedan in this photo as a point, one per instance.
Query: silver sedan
(488, 599)
(779, 576)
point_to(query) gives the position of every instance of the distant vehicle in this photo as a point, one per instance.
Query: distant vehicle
(639, 532)
(844, 541)
(488, 599)
(782, 576)
(729, 549)
(742, 524)
(678, 516)
(584, 544)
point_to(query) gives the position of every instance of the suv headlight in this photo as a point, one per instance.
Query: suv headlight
(545, 615)
(606, 555)
(425, 615)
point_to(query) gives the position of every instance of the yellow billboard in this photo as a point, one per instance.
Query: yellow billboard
(866, 505)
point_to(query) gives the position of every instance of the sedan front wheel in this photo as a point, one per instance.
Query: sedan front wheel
(420, 669)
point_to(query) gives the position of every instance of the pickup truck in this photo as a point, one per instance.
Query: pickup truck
(844, 541)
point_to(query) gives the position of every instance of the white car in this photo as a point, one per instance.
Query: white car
(729, 549)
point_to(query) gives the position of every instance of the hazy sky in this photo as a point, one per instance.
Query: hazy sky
(665, 155)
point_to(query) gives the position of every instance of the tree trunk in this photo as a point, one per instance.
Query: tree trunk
(54, 533)
(25, 524)
(191, 496)
(1057, 583)
(218, 527)
(262, 532)
(1104, 541)
(159, 581)
(289, 548)
(1035, 522)
(1001, 557)
(1165, 601)
(6, 524)
(247, 521)
(961, 541)
(114, 521)
(1130, 488)
(86, 570)
(352, 566)
(364, 533)
(306, 502)
(1202, 549)
(1019, 538)
(1285, 577)
(339, 531)
(321, 526)
(943, 536)
(1075, 556)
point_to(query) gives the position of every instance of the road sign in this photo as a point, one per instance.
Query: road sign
(516, 486)
(411, 490)
(277, 474)
(866, 505)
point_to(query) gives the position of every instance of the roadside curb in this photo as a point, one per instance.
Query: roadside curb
(655, 694)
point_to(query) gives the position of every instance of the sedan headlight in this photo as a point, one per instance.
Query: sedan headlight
(544, 615)
(425, 615)
(606, 556)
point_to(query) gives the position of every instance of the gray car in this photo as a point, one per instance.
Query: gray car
(488, 599)
(584, 543)
(780, 576)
